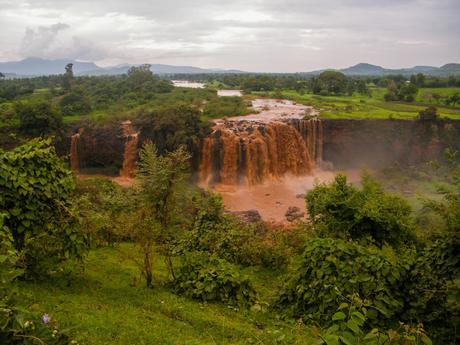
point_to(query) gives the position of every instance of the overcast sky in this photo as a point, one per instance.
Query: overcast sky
(252, 35)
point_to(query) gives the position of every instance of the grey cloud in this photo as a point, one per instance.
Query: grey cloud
(291, 35)
(37, 42)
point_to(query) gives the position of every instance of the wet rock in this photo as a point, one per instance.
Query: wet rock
(249, 216)
(293, 213)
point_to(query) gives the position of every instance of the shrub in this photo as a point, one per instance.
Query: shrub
(431, 288)
(38, 117)
(211, 279)
(348, 327)
(102, 205)
(75, 103)
(9, 257)
(370, 214)
(418, 287)
(35, 198)
(238, 242)
(331, 271)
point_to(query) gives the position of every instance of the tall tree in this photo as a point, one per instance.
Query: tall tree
(68, 78)
(163, 188)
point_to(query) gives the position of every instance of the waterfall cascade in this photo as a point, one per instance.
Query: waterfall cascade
(251, 152)
(74, 160)
(130, 152)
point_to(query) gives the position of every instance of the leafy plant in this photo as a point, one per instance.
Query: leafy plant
(348, 327)
(38, 117)
(333, 269)
(208, 278)
(341, 210)
(235, 241)
(163, 188)
(35, 199)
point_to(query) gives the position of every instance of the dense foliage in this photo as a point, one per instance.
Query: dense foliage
(163, 187)
(413, 288)
(212, 279)
(38, 117)
(348, 326)
(341, 210)
(170, 126)
(35, 191)
(247, 244)
(331, 271)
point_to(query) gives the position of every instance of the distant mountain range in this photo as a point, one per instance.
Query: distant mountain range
(37, 66)
(365, 69)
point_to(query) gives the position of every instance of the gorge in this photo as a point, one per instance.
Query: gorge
(265, 160)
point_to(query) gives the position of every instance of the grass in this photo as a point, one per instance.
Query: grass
(106, 309)
(373, 107)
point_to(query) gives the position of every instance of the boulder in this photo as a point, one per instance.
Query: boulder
(249, 216)
(293, 213)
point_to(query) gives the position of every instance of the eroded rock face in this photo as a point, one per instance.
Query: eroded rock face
(249, 216)
(293, 213)
(379, 143)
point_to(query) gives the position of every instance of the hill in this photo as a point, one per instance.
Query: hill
(37, 66)
(365, 69)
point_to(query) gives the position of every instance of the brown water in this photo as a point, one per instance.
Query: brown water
(74, 161)
(281, 139)
(266, 160)
(130, 152)
(273, 198)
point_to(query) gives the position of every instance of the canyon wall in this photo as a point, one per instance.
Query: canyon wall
(251, 153)
(378, 143)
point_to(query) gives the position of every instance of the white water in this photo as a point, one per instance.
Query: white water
(228, 93)
(187, 83)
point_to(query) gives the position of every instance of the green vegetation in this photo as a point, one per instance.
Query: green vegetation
(369, 107)
(160, 262)
(159, 271)
(370, 215)
(212, 279)
(35, 190)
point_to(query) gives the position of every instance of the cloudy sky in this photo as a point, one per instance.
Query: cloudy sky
(252, 35)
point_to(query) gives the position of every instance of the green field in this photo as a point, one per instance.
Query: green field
(105, 308)
(373, 107)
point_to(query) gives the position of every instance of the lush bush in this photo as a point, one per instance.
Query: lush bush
(102, 206)
(341, 210)
(35, 199)
(75, 103)
(212, 279)
(170, 127)
(9, 256)
(348, 327)
(38, 117)
(331, 271)
(414, 287)
(432, 288)
(236, 241)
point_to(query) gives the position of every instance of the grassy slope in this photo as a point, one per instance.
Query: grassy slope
(107, 310)
(358, 106)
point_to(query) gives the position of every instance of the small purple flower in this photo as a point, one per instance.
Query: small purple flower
(46, 318)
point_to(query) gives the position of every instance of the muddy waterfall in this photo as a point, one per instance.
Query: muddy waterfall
(251, 152)
(130, 152)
